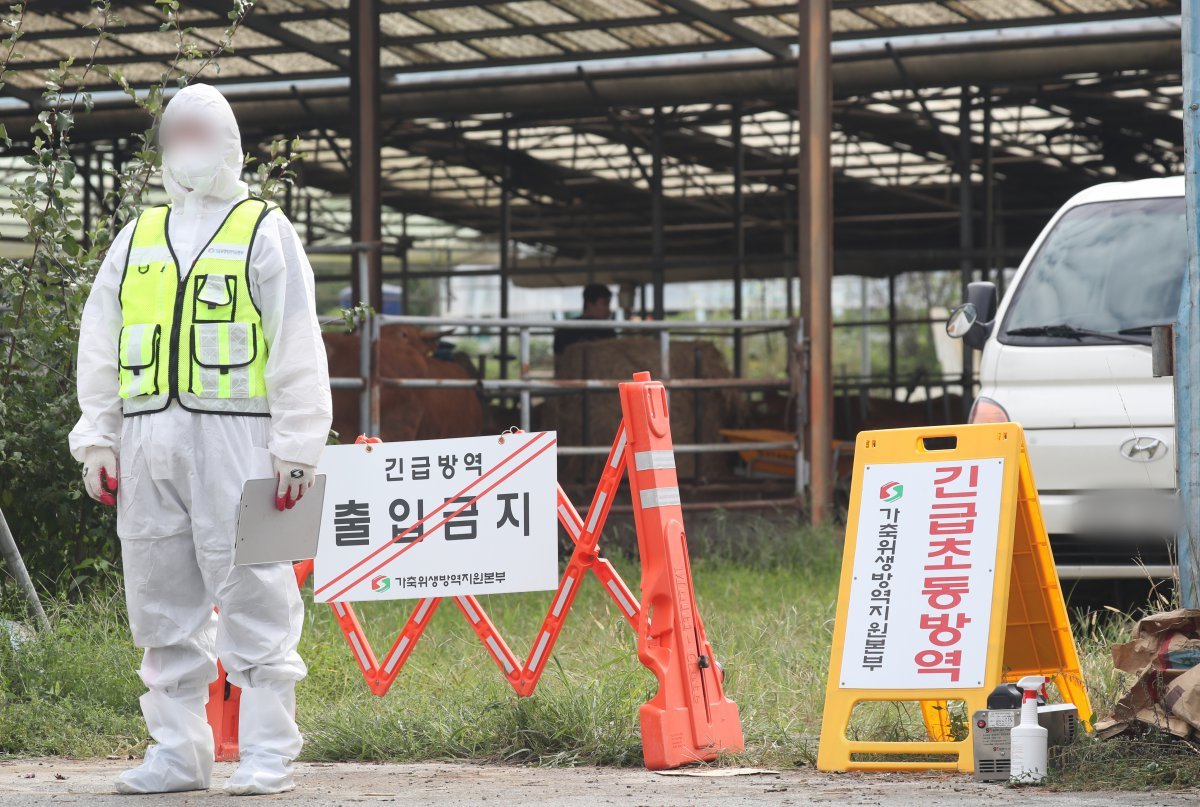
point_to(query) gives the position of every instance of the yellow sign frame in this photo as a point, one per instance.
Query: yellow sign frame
(1029, 633)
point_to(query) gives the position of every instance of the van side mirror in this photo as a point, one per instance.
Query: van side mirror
(972, 321)
(961, 321)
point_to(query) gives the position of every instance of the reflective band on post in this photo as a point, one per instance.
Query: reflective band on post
(341, 609)
(423, 610)
(358, 651)
(620, 452)
(472, 614)
(536, 658)
(654, 460)
(596, 511)
(572, 527)
(562, 597)
(399, 651)
(660, 497)
(508, 667)
(620, 595)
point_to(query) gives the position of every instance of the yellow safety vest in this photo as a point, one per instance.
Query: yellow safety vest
(196, 338)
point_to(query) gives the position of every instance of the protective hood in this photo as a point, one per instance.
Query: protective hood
(201, 104)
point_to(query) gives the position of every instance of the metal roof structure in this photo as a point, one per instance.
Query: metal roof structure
(648, 141)
(290, 39)
(573, 105)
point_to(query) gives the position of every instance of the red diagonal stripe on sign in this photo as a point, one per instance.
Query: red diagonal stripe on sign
(395, 538)
(437, 526)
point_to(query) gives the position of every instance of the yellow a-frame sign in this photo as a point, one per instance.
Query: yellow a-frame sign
(948, 589)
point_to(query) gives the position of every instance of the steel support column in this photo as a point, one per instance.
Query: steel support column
(893, 370)
(505, 246)
(739, 237)
(1187, 327)
(656, 217)
(966, 237)
(364, 150)
(815, 207)
(989, 187)
(405, 285)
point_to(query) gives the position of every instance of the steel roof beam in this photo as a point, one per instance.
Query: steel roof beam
(267, 25)
(727, 25)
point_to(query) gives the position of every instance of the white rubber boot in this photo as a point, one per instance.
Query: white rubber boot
(268, 740)
(182, 756)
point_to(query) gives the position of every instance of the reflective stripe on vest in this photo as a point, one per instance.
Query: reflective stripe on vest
(199, 338)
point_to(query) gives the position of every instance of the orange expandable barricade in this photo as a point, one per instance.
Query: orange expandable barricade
(689, 719)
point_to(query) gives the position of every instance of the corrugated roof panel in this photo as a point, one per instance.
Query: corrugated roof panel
(609, 9)
(283, 6)
(34, 22)
(919, 14)
(771, 26)
(1093, 6)
(535, 12)
(392, 57)
(318, 30)
(293, 62)
(144, 71)
(1010, 9)
(148, 43)
(469, 18)
(576, 41)
(336, 5)
(229, 66)
(657, 35)
(514, 47)
(724, 5)
(401, 25)
(37, 51)
(845, 21)
(443, 51)
(244, 38)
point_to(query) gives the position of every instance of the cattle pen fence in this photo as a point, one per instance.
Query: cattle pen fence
(522, 388)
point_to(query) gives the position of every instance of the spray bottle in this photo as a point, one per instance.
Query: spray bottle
(1029, 739)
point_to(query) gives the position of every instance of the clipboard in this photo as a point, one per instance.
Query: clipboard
(268, 535)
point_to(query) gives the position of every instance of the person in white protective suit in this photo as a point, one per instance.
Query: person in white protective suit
(201, 366)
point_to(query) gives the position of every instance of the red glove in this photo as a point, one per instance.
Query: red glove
(294, 479)
(100, 474)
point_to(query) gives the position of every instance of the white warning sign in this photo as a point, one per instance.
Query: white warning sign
(438, 518)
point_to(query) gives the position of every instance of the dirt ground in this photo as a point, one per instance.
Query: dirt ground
(61, 781)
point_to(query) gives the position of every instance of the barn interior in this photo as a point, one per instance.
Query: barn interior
(839, 168)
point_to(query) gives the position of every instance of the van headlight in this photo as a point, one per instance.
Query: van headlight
(985, 410)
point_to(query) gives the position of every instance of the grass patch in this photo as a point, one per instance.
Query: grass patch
(1153, 760)
(766, 587)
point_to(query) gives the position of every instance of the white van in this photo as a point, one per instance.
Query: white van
(1067, 355)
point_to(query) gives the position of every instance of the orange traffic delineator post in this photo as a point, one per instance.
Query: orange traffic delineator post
(689, 719)
(224, 701)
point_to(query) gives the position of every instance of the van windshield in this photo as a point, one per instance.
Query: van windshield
(1105, 268)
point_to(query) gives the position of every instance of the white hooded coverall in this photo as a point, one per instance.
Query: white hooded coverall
(181, 475)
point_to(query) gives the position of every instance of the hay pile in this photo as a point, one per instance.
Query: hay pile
(697, 416)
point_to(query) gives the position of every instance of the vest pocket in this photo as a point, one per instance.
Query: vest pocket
(222, 354)
(213, 298)
(137, 359)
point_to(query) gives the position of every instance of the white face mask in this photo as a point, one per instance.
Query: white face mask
(193, 167)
